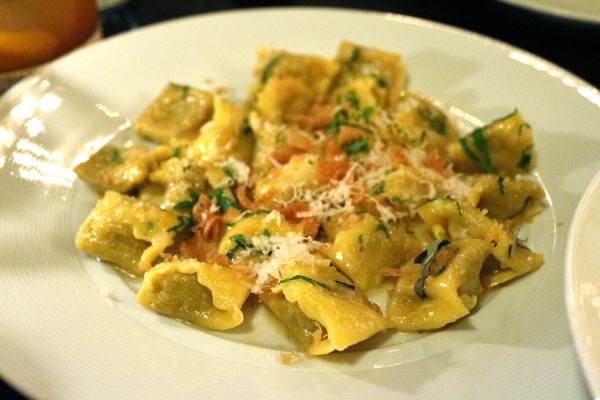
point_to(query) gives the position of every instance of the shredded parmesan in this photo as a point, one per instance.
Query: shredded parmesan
(273, 216)
(241, 170)
(281, 250)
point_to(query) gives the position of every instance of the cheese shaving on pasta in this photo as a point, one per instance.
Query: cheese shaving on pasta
(281, 251)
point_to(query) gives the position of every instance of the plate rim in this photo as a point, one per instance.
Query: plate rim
(590, 365)
(558, 12)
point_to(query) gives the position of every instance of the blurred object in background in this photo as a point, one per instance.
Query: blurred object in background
(33, 32)
(107, 4)
(115, 16)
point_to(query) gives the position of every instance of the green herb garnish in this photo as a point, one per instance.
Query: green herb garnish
(115, 157)
(436, 121)
(185, 221)
(269, 68)
(526, 203)
(353, 59)
(366, 113)
(526, 156)
(481, 153)
(340, 118)
(222, 200)
(306, 279)
(240, 244)
(426, 258)
(187, 204)
(350, 97)
(397, 199)
(382, 228)
(228, 169)
(246, 128)
(185, 89)
(360, 145)
(348, 285)
(381, 82)
(379, 188)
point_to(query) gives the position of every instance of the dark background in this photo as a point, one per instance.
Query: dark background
(572, 45)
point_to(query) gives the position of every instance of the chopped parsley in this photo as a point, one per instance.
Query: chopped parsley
(382, 228)
(223, 199)
(436, 121)
(246, 128)
(185, 89)
(185, 221)
(350, 97)
(366, 113)
(115, 157)
(340, 118)
(187, 204)
(381, 82)
(397, 199)
(228, 169)
(240, 244)
(379, 188)
(360, 145)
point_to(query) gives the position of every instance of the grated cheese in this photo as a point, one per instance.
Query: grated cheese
(273, 216)
(334, 199)
(241, 171)
(281, 250)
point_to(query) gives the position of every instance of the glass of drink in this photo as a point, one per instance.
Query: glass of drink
(33, 32)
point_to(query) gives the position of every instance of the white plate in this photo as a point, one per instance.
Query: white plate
(582, 282)
(578, 10)
(69, 326)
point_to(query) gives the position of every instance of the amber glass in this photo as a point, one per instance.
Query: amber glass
(35, 31)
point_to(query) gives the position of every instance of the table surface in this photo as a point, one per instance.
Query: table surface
(570, 44)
